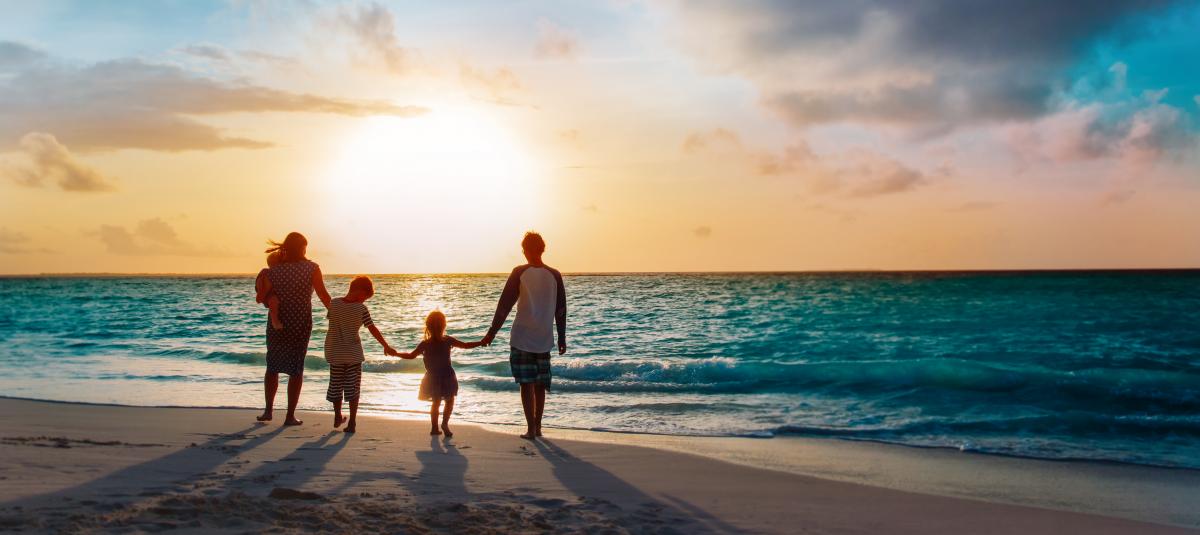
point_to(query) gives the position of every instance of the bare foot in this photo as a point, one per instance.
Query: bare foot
(338, 420)
(265, 417)
(446, 429)
(539, 431)
(434, 431)
(293, 421)
(529, 436)
(349, 429)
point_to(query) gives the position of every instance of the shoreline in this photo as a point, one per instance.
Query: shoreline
(1162, 496)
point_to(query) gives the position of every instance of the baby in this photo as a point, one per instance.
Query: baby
(265, 295)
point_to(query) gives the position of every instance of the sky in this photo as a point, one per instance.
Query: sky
(672, 135)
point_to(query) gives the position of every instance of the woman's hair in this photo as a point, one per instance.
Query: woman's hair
(290, 248)
(435, 326)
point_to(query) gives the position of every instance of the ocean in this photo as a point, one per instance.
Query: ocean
(1057, 365)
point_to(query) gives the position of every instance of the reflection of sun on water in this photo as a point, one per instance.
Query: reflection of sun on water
(414, 185)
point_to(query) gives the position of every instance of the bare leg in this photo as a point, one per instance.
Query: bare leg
(433, 417)
(295, 384)
(273, 312)
(337, 413)
(528, 402)
(446, 416)
(350, 427)
(270, 385)
(540, 399)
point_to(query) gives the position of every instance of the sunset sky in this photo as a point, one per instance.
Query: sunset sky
(636, 136)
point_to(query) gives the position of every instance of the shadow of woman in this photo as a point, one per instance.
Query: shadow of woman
(166, 474)
(589, 482)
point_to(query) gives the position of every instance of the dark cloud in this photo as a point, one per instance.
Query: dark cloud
(940, 62)
(136, 104)
(151, 237)
(48, 161)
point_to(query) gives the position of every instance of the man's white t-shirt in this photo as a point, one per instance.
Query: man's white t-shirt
(537, 292)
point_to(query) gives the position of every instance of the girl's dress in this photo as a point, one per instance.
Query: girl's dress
(440, 380)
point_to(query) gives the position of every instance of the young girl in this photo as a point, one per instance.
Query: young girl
(264, 294)
(439, 382)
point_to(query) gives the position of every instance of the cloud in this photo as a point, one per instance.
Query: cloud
(930, 64)
(555, 42)
(1116, 197)
(151, 237)
(702, 231)
(373, 27)
(207, 51)
(974, 206)
(132, 103)
(1138, 129)
(47, 160)
(857, 173)
(885, 177)
(497, 85)
(15, 54)
(13, 242)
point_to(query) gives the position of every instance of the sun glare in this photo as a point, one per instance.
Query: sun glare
(459, 172)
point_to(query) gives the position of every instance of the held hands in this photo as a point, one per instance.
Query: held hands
(562, 347)
(487, 339)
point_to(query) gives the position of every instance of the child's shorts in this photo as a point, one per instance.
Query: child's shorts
(344, 382)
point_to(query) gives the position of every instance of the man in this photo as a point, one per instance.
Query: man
(537, 290)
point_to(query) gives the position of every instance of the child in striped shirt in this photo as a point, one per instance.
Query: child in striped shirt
(343, 349)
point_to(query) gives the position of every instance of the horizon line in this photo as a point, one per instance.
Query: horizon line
(97, 274)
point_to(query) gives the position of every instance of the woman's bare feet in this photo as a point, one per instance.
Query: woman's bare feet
(265, 416)
(434, 431)
(338, 420)
(349, 428)
(293, 421)
(446, 429)
(531, 435)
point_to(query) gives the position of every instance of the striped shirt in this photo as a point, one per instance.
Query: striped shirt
(342, 345)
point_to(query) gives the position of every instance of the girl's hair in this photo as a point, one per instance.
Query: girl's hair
(435, 326)
(290, 248)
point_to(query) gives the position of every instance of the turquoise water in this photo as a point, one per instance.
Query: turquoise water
(1088, 365)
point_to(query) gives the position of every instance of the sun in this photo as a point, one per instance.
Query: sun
(453, 175)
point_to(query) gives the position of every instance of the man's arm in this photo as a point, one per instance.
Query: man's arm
(560, 312)
(508, 298)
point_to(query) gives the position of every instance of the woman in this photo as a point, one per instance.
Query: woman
(293, 281)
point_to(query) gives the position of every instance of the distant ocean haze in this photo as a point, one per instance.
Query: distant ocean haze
(1089, 365)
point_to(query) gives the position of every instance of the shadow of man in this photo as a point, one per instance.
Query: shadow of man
(296, 468)
(590, 482)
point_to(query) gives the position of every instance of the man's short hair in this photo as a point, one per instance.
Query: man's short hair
(362, 283)
(533, 243)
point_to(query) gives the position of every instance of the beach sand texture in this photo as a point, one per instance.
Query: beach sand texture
(88, 468)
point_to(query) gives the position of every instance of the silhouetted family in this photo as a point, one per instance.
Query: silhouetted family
(286, 287)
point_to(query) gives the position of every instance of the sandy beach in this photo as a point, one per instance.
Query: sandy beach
(92, 468)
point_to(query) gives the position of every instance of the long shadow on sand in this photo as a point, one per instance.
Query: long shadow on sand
(443, 470)
(587, 480)
(296, 468)
(167, 474)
